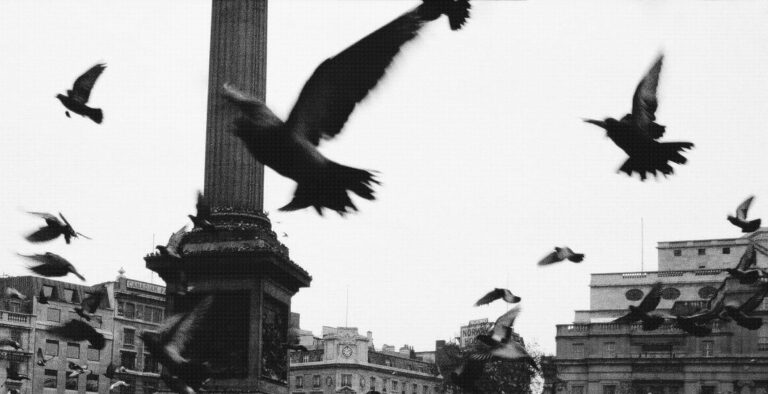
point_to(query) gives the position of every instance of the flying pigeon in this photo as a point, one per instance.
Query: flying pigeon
(41, 298)
(10, 342)
(91, 303)
(746, 271)
(501, 343)
(203, 214)
(42, 359)
(76, 98)
(640, 312)
(741, 313)
(111, 371)
(52, 265)
(78, 330)
(495, 294)
(53, 229)
(13, 293)
(324, 105)
(561, 254)
(173, 248)
(78, 370)
(740, 220)
(637, 133)
(13, 374)
(117, 384)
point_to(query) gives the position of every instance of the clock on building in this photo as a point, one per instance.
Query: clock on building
(346, 351)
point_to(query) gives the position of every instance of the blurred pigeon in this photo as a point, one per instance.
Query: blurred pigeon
(12, 373)
(561, 254)
(746, 271)
(740, 220)
(293, 341)
(695, 328)
(53, 229)
(111, 371)
(495, 294)
(41, 298)
(52, 265)
(78, 330)
(640, 312)
(10, 292)
(203, 214)
(42, 359)
(174, 243)
(77, 370)
(76, 98)
(91, 303)
(10, 342)
(501, 343)
(637, 133)
(741, 313)
(117, 384)
(323, 107)
(467, 374)
(169, 343)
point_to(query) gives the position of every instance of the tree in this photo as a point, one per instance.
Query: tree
(499, 376)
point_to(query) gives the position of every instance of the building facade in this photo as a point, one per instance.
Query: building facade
(28, 321)
(596, 356)
(346, 362)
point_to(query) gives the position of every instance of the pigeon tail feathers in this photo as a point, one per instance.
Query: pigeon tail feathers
(331, 190)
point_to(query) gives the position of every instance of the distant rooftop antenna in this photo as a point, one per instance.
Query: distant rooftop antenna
(346, 313)
(642, 242)
(152, 273)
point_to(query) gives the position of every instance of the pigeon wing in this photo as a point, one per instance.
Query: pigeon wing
(93, 301)
(175, 241)
(44, 234)
(644, 102)
(549, 259)
(340, 82)
(743, 208)
(490, 297)
(183, 331)
(203, 209)
(253, 109)
(500, 328)
(754, 302)
(81, 91)
(748, 259)
(110, 373)
(629, 318)
(652, 299)
(49, 219)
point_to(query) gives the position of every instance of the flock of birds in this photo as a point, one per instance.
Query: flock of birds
(289, 147)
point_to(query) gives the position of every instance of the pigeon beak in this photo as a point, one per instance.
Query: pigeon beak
(599, 123)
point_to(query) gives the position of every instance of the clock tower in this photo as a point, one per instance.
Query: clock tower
(345, 344)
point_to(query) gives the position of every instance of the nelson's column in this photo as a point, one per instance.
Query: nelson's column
(241, 262)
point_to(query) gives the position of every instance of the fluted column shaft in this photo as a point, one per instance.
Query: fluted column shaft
(233, 178)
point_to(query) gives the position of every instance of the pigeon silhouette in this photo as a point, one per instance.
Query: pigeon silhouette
(111, 371)
(746, 271)
(10, 342)
(42, 359)
(640, 312)
(53, 229)
(10, 292)
(324, 105)
(76, 98)
(495, 294)
(561, 254)
(500, 342)
(77, 370)
(173, 248)
(78, 330)
(91, 303)
(741, 313)
(637, 133)
(203, 214)
(51, 265)
(740, 220)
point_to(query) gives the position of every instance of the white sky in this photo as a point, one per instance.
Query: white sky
(485, 162)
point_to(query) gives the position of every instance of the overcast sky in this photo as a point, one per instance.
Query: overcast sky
(484, 160)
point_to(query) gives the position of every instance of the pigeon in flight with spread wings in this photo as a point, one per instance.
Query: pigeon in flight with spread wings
(637, 133)
(78, 330)
(500, 342)
(10, 292)
(746, 271)
(42, 359)
(173, 248)
(52, 265)
(53, 229)
(10, 342)
(741, 313)
(640, 312)
(561, 254)
(203, 214)
(324, 105)
(76, 98)
(740, 220)
(495, 294)
(91, 303)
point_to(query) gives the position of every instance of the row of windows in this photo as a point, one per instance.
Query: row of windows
(54, 315)
(346, 381)
(73, 350)
(700, 251)
(128, 360)
(131, 310)
(52, 381)
(609, 348)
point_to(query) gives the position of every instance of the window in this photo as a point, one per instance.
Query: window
(305, 358)
(677, 252)
(150, 364)
(299, 382)
(708, 348)
(121, 308)
(609, 349)
(53, 315)
(157, 315)
(578, 350)
(415, 388)
(577, 389)
(72, 382)
(73, 350)
(394, 385)
(47, 292)
(93, 354)
(373, 383)
(139, 312)
(726, 250)
(92, 383)
(388, 362)
(16, 335)
(609, 389)
(707, 389)
(128, 359)
(130, 310)
(316, 381)
(425, 389)
(14, 306)
(702, 252)
(384, 382)
(128, 336)
(762, 337)
(51, 379)
(51, 347)
(346, 380)
(68, 295)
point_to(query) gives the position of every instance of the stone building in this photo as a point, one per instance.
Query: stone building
(597, 356)
(348, 363)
